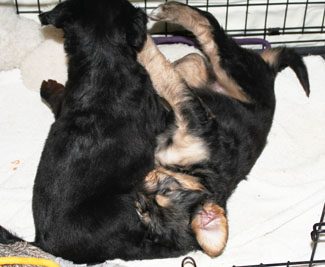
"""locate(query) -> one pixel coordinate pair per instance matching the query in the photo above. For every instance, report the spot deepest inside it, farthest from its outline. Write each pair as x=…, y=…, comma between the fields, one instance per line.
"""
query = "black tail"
x=8, y=238
x=282, y=57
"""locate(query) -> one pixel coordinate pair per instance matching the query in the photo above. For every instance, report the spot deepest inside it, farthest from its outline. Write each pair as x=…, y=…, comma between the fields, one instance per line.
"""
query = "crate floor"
x=270, y=215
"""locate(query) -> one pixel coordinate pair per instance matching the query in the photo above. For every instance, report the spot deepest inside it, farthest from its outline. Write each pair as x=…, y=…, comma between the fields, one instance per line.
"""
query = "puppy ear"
x=57, y=17
x=137, y=30
x=210, y=227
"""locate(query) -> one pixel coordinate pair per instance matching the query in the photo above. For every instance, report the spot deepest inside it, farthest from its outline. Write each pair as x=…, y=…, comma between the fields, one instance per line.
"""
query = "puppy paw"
x=165, y=12
x=141, y=206
x=50, y=88
x=210, y=226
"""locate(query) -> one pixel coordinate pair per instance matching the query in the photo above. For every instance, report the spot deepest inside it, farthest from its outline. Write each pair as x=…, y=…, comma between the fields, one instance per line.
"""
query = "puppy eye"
x=166, y=191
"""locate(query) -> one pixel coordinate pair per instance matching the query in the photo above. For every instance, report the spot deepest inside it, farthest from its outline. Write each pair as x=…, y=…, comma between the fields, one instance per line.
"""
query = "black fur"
x=169, y=226
x=102, y=144
x=52, y=93
x=8, y=238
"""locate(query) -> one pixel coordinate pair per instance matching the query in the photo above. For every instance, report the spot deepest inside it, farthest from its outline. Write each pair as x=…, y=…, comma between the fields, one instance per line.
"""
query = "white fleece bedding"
x=270, y=215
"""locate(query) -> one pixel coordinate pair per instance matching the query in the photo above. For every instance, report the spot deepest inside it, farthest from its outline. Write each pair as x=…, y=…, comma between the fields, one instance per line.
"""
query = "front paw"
x=141, y=207
x=166, y=12
x=50, y=89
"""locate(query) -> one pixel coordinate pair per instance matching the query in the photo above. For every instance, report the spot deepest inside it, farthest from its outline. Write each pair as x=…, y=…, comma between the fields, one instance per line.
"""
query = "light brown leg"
x=186, y=148
x=193, y=21
x=166, y=81
x=157, y=176
x=193, y=69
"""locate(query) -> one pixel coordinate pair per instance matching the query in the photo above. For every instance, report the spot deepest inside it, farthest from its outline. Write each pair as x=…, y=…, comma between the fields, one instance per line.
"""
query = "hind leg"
x=184, y=147
x=168, y=192
x=197, y=73
x=200, y=24
x=194, y=69
x=166, y=81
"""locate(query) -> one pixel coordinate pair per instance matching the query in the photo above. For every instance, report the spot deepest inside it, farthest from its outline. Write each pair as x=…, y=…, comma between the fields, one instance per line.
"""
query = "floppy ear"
x=57, y=17
x=137, y=30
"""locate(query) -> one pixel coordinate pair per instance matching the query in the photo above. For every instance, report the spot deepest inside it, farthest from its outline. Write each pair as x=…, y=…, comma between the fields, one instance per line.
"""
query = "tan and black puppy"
x=223, y=106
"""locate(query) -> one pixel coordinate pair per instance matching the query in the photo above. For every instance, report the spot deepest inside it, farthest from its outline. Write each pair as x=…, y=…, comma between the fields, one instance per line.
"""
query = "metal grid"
x=33, y=7
x=264, y=29
x=289, y=22
x=316, y=235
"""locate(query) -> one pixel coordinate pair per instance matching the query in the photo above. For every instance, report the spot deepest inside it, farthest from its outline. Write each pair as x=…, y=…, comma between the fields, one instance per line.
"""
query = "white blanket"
x=270, y=215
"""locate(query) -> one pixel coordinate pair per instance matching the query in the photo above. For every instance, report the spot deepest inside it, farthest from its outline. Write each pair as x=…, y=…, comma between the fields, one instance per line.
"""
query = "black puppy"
x=102, y=144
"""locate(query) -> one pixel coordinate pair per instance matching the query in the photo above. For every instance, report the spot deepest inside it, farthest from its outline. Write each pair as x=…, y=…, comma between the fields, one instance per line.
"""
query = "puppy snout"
x=44, y=18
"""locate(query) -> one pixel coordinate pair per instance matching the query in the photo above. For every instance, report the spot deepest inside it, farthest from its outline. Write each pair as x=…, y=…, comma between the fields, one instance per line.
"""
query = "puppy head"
x=58, y=16
x=114, y=21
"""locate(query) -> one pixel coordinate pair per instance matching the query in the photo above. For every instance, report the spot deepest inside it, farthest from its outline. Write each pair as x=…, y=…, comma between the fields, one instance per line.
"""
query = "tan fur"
x=213, y=243
x=166, y=80
x=270, y=56
x=159, y=174
x=144, y=216
x=185, y=149
x=151, y=180
x=186, y=181
x=193, y=69
x=200, y=26
x=163, y=201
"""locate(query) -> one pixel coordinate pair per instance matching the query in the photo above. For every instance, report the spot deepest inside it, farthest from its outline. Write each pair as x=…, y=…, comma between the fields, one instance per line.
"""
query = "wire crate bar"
x=282, y=22
x=317, y=232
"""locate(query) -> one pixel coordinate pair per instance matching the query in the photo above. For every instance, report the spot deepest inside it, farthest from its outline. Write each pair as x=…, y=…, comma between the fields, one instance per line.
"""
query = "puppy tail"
x=8, y=238
x=282, y=57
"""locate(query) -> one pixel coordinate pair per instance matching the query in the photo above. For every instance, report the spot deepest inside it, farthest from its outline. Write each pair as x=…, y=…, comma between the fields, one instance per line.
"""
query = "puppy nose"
x=43, y=17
